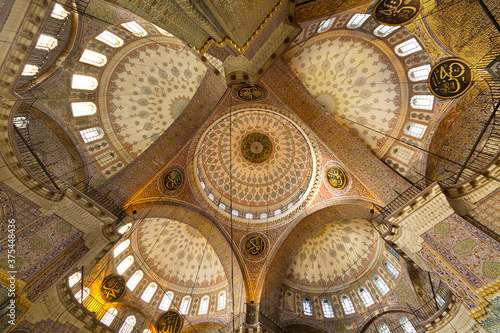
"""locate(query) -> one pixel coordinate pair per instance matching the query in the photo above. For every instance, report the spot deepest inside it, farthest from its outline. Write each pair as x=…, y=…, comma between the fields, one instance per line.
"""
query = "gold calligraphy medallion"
x=250, y=93
x=450, y=78
x=336, y=177
x=113, y=288
x=255, y=246
x=173, y=180
x=169, y=322
x=256, y=147
x=396, y=12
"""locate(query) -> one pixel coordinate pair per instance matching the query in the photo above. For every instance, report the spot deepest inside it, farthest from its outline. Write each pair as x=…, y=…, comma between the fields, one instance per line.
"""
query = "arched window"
x=221, y=300
x=125, y=228
x=394, y=253
x=204, y=305
x=46, y=42
x=289, y=300
x=125, y=264
x=166, y=301
x=29, y=70
x=109, y=316
x=184, y=308
x=423, y=102
x=79, y=296
x=365, y=297
x=20, y=122
x=383, y=328
x=222, y=206
x=407, y=48
x=134, y=280
x=83, y=109
x=327, y=308
x=59, y=13
x=326, y=25
x=74, y=279
x=249, y=216
x=401, y=153
x=235, y=212
x=263, y=216
x=128, y=325
x=407, y=326
x=110, y=39
x=384, y=30
x=381, y=285
x=357, y=20
x=440, y=300
x=419, y=73
x=121, y=247
x=93, y=58
x=92, y=134
x=162, y=31
x=347, y=304
x=415, y=129
x=391, y=269
x=149, y=292
x=83, y=82
x=135, y=28
x=306, y=304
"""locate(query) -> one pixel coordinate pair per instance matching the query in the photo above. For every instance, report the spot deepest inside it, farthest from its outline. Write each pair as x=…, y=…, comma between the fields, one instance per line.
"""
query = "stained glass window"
x=327, y=308
x=83, y=82
x=93, y=58
x=391, y=269
x=128, y=325
x=125, y=264
x=357, y=20
x=59, y=12
x=419, y=73
x=221, y=301
x=149, y=292
x=407, y=48
x=121, y=247
x=135, y=28
x=326, y=25
x=166, y=301
x=347, y=304
x=306, y=303
x=204, y=305
x=415, y=129
x=134, y=280
x=83, y=109
x=424, y=102
x=109, y=316
x=407, y=325
x=381, y=285
x=46, y=42
x=92, y=134
x=365, y=296
x=30, y=70
x=384, y=30
x=184, y=308
x=110, y=39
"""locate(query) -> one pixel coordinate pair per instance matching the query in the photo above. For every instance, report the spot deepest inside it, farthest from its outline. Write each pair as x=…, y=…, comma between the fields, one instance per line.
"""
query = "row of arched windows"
x=406, y=325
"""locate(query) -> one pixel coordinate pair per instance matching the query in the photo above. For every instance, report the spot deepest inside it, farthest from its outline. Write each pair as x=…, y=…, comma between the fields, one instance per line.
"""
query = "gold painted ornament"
x=396, y=12
x=113, y=288
x=450, y=78
x=173, y=180
x=169, y=322
x=255, y=246
x=336, y=178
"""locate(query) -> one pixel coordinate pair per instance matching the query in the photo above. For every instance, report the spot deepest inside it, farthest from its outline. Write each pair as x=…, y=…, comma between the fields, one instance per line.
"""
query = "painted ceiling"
x=334, y=255
x=178, y=256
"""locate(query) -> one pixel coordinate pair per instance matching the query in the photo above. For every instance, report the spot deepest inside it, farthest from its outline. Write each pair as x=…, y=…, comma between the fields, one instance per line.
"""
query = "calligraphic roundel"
x=169, y=322
x=396, y=12
x=173, y=180
x=113, y=288
x=450, y=78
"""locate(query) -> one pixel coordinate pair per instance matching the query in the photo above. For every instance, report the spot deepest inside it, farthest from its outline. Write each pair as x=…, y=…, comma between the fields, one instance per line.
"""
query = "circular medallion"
x=250, y=93
x=450, y=78
x=170, y=321
x=113, y=288
x=336, y=178
x=396, y=12
x=255, y=246
x=173, y=180
x=256, y=147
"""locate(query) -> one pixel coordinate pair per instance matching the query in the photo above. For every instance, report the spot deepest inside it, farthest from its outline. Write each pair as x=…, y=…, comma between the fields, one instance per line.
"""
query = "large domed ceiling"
x=334, y=255
x=177, y=256
x=146, y=87
x=255, y=165
x=357, y=79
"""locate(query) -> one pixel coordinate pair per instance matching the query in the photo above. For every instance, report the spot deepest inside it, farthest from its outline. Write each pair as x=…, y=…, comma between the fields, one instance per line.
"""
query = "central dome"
x=255, y=165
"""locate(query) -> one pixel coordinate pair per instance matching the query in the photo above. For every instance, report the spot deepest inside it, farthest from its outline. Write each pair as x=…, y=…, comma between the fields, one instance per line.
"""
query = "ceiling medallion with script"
x=336, y=178
x=113, y=288
x=450, y=78
x=396, y=12
x=249, y=93
x=256, y=147
x=169, y=322
x=173, y=180
x=255, y=245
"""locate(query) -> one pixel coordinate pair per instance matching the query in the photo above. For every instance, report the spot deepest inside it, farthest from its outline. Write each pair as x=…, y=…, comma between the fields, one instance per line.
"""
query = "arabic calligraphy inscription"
x=255, y=246
x=172, y=180
x=450, y=78
x=336, y=177
x=396, y=12
x=169, y=322
x=113, y=288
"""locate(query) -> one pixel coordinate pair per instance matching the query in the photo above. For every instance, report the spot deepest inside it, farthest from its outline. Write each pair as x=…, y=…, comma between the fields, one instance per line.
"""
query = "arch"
x=371, y=318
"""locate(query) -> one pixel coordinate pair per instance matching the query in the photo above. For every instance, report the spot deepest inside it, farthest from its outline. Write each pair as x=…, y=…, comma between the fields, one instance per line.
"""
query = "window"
x=162, y=31
x=289, y=300
x=204, y=305
x=128, y=325
x=407, y=48
x=149, y=292
x=93, y=58
x=391, y=269
x=166, y=301
x=109, y=316
x=407, y=326
x=125, y=228
x=440, y=300
x=20, y=122
x=121, y=247
x=135, y=29
x=415, y=129
x=79, y=297
x=381, y=285
x=29, y=70
x=134, y=280
x=83, y=109
x=110, y=39
x=357, y=20
x=46, y=43
x=347, y=304
x=401, y=153
x=424, y=102
x=146, y=331
x=394, y=253
x=105, y=158
x=184, y=308
x=92, y=134
x=222, y=206
x=249, y=216
x=384, y=30
x=365, y=297
x=83, y=82
x=419, y=73
x=326, y=25
x=125, y=264
x=74, y=279
x=221, y=300
x=383, y=328
x=327, y=308
x=306, y=303
x=59, y=12
x=277, y=212
x=211, y=197
x=235, y=212
x=263, y=216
